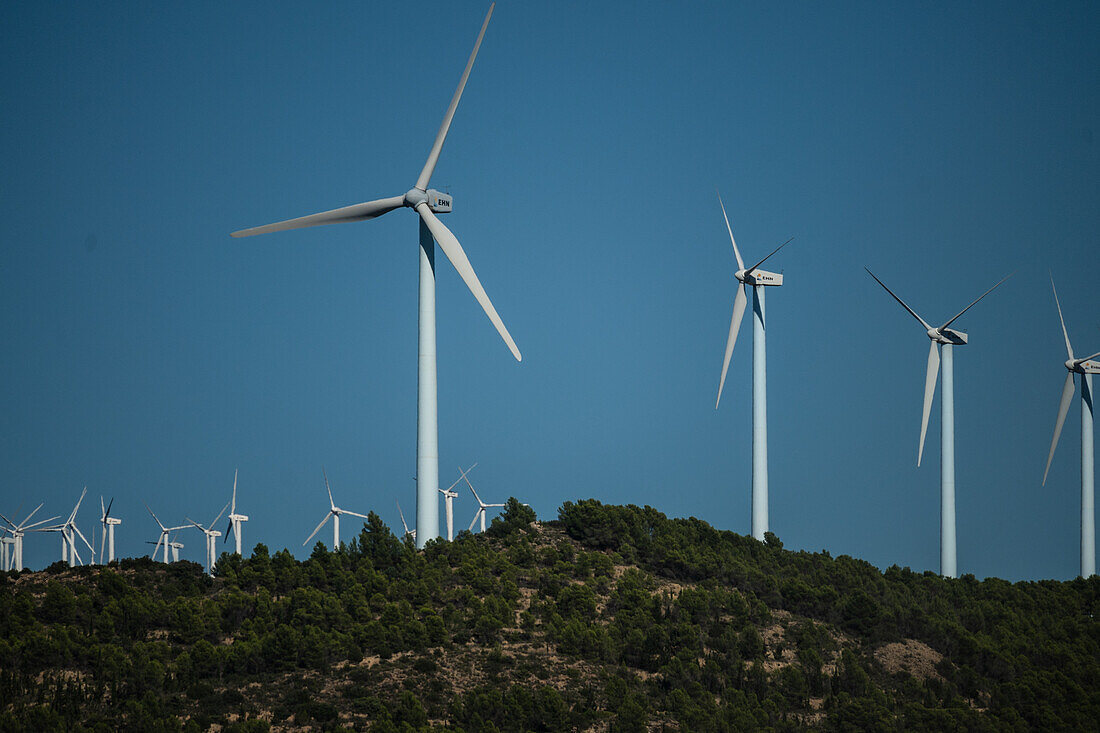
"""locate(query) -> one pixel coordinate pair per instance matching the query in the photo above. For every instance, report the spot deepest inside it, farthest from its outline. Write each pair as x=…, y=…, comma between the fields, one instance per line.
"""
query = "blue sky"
x=148, y=354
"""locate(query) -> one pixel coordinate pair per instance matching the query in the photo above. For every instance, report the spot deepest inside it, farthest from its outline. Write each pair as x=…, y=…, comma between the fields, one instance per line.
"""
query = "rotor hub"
x=414, y=197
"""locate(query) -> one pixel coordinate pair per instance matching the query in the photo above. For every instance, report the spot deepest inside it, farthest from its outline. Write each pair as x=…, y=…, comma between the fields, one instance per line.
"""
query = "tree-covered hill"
x=608, y=619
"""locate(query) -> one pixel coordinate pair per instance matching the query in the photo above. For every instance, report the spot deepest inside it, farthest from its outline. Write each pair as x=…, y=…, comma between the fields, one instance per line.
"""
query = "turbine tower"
x=108, y=522
x=943, y=339
x=758, y=279
x=1086, y=368
x=235, y=520
x=334, y=513
x=449, y=496
x=212, y=536
x=427, y=203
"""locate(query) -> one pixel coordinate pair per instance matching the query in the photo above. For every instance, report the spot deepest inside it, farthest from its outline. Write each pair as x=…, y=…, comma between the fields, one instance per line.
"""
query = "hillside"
x=608, y=619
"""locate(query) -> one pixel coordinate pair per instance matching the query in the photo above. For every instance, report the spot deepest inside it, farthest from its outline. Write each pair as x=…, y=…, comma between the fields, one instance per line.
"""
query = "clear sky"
x=148, y=355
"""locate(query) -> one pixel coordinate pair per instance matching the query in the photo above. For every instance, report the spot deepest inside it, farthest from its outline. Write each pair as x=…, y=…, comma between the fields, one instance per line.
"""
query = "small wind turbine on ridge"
x=334, y=513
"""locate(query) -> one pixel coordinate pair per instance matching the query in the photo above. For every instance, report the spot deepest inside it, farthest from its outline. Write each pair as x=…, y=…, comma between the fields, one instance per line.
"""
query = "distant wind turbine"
x=235, y=520
x=427, y=203
x=334, y=513
x=164, y=532
x=69, y=532
x=14, y=544
x=449, y=495
x=1086, y=368
x=758, y=279
x=943, y=339
x=108, y=524
x=212, y=536
x=408, y=532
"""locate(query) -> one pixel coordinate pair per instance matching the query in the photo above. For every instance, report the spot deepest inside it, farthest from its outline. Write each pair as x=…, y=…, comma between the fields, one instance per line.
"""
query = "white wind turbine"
x=449, y=495
x=1086, y=368
x=172, y=545
x=235, y=520
x=943, y=339
x=212, y=536
x=482, y=506
x=758, y=279
x=427, y=203
x=163, y=539
x=108, y=523
x=334, y=513
x=408, y=532
x=69, y=532
x=14, y=545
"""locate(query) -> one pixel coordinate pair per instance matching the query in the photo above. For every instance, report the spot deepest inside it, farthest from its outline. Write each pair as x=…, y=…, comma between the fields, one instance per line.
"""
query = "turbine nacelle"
x=437, y=201
x=947, y=336
x=239, y=517
x=759, y=277
x=1083, y=366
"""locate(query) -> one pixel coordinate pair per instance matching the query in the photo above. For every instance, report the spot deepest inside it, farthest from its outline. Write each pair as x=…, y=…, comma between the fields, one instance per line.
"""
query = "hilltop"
x=610, y=618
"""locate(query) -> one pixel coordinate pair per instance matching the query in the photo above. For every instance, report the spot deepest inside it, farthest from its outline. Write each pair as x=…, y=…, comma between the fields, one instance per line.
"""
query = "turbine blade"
x=110, y=504
x=81, y=534
x=355, y=212
x=30, y=515
x=476, y=515
x=218, y=518
x=903, y=304
x=445, y=126
x=196, y=524
x=770, y=254
x=231, y=527
x=102, y=509
x=1091, y=356
x=471, y=468
x=322, y=524
x=402, y=517
x=102, y=539
x=739, y=304
x=736, y=253
x=331, y=503
x=479, y=501
x=154, y=516
x=355, y=514
x=40, y=522
x=929, y=390
x=1069, y=347
x=234, y=509
x=987, y=292
x=78, y=501
x=1063, y=408
x=450, y=246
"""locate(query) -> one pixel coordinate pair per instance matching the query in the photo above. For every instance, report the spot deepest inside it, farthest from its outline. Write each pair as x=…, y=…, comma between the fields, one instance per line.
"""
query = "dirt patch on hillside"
x=912, y=656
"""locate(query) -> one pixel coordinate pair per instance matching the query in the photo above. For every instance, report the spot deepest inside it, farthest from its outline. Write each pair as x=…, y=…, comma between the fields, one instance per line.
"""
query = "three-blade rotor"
x=745, y=277
x=420, y=199
x=941, y=335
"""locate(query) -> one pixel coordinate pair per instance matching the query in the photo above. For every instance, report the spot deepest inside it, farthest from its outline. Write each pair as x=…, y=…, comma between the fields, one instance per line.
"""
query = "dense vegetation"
x=611, y=618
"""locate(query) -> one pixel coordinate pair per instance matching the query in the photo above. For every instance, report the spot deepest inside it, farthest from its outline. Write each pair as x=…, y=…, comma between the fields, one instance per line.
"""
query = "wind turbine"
x=758, y=279
x=449, y=495
x=1086, y=368
x=427, y=203
x=943, y=339
x=482, y=506
x=235, y=520
x=212, y=536
x=407, y=530
x=14, y=544
x=108, y=522
x=334, y=513
x=174, y=546
x=69, y=532
x=163, y=539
